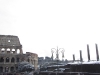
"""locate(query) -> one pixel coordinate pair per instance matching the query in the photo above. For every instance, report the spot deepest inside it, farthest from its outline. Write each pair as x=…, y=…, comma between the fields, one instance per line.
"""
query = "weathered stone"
x=11, y=54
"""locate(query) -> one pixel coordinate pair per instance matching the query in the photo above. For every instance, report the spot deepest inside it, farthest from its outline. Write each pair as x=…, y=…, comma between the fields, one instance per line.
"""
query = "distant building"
x=40, y=60
x=48, y=59
x=11, y=54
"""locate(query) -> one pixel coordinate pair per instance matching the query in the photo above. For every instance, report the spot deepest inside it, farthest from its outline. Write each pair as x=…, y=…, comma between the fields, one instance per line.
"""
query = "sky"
x=45, y=24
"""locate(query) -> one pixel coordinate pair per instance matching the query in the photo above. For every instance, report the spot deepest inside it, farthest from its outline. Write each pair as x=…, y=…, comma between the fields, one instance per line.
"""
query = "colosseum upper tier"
x=11, y=54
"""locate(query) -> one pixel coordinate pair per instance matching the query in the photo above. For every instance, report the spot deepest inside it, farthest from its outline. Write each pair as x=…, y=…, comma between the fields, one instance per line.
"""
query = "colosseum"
x=11, y=54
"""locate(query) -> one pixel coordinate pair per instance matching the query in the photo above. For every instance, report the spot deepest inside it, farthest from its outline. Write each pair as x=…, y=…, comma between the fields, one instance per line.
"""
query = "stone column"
x=14, y=68
x=97, y=52
x=4, y=59
x=0, y=50
x=73, y=57
x=34, y=63
x=15, y=60
x=10, y=50
x=9, y=69
x=88, y=53
x=9, y=59
x=81, y=59
x=15, y=51
x=5, y=50
x=21, y=51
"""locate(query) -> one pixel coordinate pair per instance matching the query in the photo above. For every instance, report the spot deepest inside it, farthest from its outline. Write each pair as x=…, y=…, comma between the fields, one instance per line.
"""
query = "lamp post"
x=57, y=51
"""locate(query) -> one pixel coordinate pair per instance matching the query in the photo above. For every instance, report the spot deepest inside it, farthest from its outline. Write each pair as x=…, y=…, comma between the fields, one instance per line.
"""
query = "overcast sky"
x=45, y=24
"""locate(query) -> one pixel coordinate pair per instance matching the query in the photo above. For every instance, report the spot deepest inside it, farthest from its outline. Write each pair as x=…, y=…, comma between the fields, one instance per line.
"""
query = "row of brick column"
x=7, y=67
x=21, y=52
x=15, y=60
x=31, y=61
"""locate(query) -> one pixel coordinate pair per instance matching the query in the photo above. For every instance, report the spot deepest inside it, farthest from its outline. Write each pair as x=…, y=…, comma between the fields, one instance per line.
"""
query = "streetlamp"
x=57, y=51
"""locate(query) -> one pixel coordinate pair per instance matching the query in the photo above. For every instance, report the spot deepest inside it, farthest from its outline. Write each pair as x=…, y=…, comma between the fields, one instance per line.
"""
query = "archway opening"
x=8, y=50
x=1, y=69
x=7, y=59
x=6, y=69
x=12, y=60
x=1, y=59
x=18, y=51
x=12, y=69
x=3, y=50
x=13, y=50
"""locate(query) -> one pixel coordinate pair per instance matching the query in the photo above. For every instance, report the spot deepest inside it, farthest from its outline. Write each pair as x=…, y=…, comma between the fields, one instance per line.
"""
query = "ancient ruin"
x=11, y=54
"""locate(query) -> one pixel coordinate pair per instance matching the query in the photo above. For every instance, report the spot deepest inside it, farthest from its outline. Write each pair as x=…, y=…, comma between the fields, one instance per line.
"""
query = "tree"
x=25, y=67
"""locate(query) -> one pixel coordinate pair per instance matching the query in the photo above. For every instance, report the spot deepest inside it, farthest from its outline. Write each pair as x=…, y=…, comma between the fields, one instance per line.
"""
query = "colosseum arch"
x=11, y=69
x=6, y=69
x=1, y=59
x=12, y=60
x=13, y=51
x=18, y=51
x=3, y=50
x=7, y=59
x=8, y=50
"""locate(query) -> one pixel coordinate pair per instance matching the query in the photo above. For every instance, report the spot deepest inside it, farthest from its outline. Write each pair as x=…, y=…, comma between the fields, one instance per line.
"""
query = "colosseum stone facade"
x=11, y=54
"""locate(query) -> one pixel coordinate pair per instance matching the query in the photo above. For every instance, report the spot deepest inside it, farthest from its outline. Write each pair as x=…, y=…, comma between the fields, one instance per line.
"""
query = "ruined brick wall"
x=33, y=59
